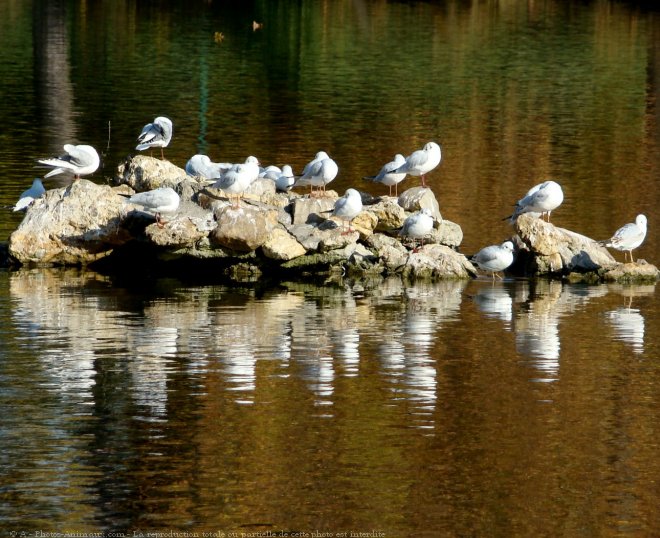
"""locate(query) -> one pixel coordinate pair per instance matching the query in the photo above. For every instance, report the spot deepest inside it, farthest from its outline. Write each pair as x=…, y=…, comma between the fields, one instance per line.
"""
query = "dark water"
x=513, y=408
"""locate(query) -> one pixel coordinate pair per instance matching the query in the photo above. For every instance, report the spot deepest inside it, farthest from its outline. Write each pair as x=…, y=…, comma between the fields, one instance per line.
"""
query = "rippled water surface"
x=138, y=402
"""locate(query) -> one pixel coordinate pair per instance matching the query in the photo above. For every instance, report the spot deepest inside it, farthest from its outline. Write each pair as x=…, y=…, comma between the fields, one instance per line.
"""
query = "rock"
x=390, y=251
x=243, y=229
x=389, y=214
x=281, y=245
x=63, y=227
x=557, y=250
x=176, y=232
x=144, y=173
x=447, y=233
x=312, y=210
x=640, y=271
x=433, y=262
x=418, y=198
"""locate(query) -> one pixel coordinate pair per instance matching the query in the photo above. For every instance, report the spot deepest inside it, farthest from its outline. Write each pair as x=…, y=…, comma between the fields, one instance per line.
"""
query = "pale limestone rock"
x=389, y=214
x=74, y=225
x=437, y=262
x=638, y=271
x=559, y=250
x=390, y=250
x=312, y=210
x=244, y=228
x=419, y=198
x=447, y=233
x=177, y=232
x=144, y=173
x=281, y=245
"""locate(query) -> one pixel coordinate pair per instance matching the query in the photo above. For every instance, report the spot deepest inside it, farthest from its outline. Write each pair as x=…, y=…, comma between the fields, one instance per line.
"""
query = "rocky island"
x=271, y=234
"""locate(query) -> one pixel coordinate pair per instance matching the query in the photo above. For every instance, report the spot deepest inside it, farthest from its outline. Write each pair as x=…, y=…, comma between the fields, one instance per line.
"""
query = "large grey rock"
x=74, y=225
x=312, y=210
x=558, y=250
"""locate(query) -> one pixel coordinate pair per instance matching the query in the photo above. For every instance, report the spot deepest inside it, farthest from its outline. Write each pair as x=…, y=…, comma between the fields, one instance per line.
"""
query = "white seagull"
x=201, y=166
x=494, y=258
x=30, y=195
x=348, y=207
x=285, y=180
x=541, y=200
x=81, y=160
x=270, y=172
x=388, y=175
x=628, y=237
x=155, y=135
x=418, y=226
x=422, y=161
x=157, y=201
x=238, y=178
x=318, y=172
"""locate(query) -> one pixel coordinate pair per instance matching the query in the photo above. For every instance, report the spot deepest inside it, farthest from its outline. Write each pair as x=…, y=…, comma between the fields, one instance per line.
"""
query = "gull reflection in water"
x=628, y=322
x=427, y=306
x=495, y=301
x=539, y=306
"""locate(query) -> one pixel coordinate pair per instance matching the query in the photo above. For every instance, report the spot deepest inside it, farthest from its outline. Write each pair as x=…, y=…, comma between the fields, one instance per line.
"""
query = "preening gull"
x=81, y=160
x=155, y=135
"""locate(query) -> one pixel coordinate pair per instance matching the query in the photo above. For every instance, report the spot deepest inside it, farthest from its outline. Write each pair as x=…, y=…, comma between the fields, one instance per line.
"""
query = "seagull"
x=541, y=199
x=157, y=201
x=201, y=166
x=418, y=225
x=318, y=172
x=82, y=160
x=494, y=258
x=238, y=178
x=421, y=162
x=270, y=172
x=628, y=237
x=285, y=180
x=388, y=175
x=30, y=195
x=155, y=135
x=348, y=207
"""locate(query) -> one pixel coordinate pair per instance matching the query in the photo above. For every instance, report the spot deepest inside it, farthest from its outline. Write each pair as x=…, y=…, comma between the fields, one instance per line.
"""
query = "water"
x=136, y=403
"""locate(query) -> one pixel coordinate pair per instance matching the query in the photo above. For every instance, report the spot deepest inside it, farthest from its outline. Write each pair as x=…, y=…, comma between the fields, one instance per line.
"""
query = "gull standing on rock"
x=30, y=195
x=348, y=207
x=494, y=258
x=418, y=226
x=155, y=135
x=81, y=160
x=628, y=237
x=388, y=175
x=318, y=173
x=541, y=200
x=238, y=178
x=157, y=201
x=422, y=161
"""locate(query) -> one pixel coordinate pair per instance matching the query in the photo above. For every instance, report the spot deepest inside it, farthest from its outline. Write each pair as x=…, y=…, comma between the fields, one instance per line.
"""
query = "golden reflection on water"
x=388, y=406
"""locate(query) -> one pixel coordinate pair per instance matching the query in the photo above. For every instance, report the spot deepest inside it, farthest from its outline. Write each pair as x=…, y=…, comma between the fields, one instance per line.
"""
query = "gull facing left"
x=81, y=160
